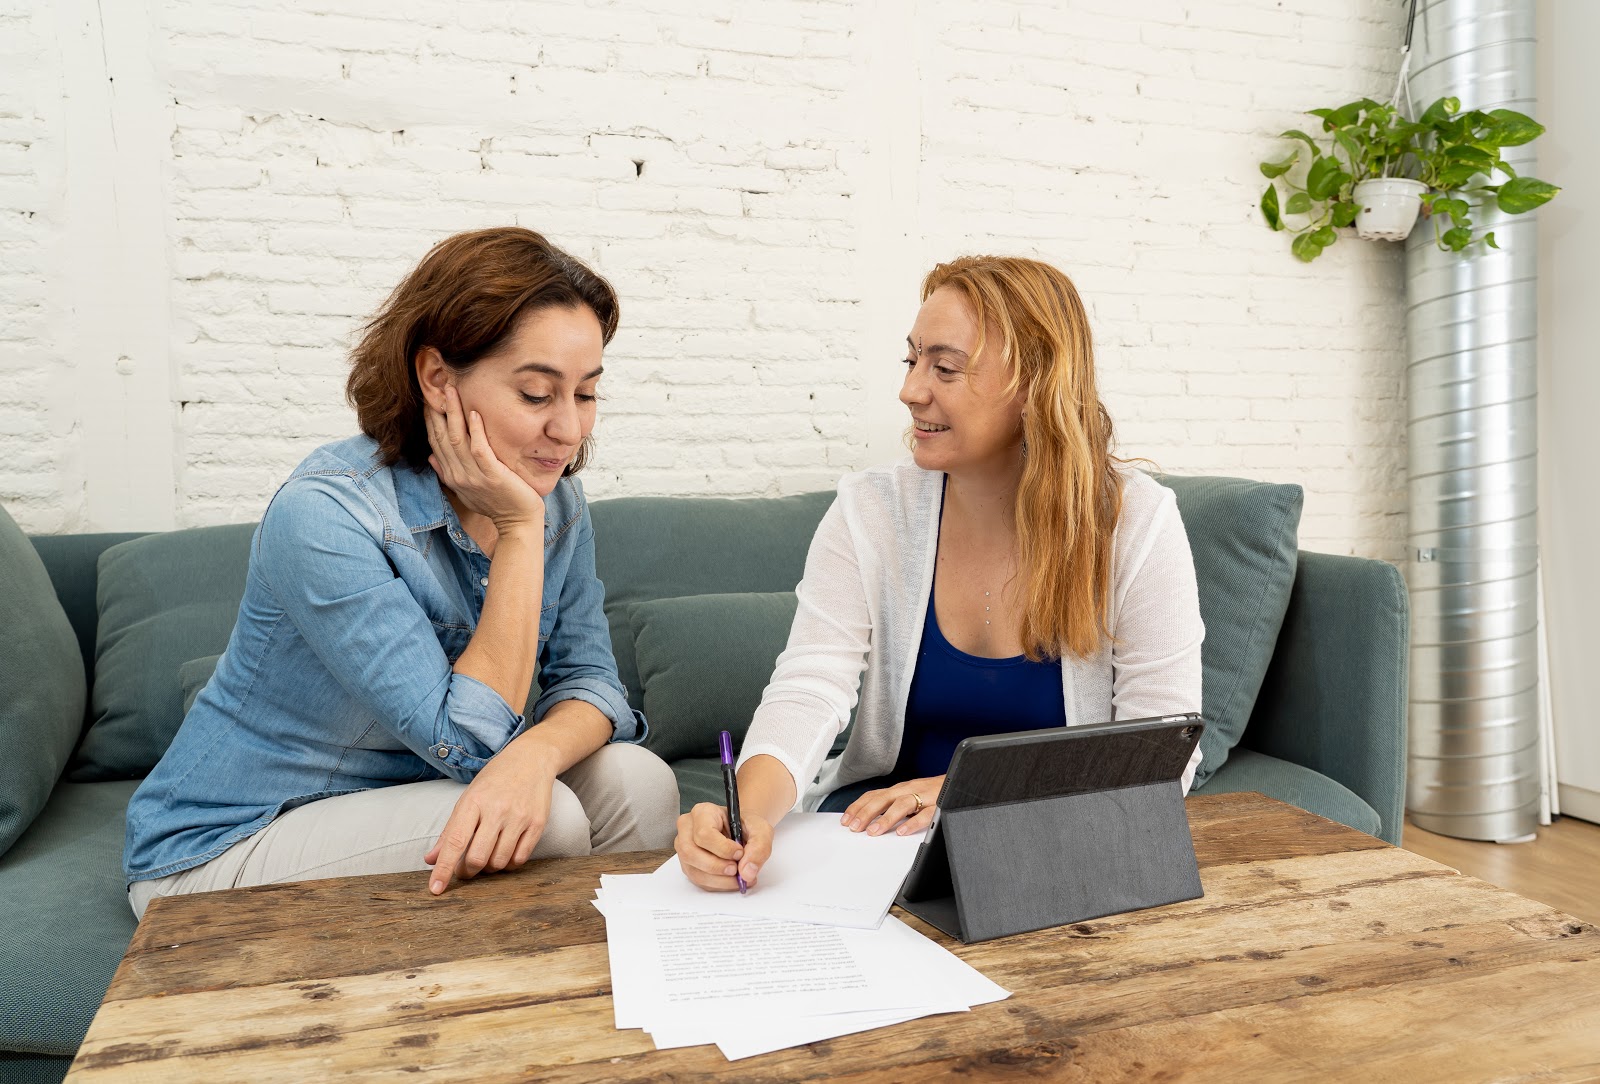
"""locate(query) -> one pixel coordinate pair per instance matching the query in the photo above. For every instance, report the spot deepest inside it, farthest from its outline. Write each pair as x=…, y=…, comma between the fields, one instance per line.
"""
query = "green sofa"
x=1305, y=670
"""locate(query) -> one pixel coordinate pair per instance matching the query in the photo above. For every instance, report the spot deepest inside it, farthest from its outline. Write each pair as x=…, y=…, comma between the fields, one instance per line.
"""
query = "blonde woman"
x=1014, y=575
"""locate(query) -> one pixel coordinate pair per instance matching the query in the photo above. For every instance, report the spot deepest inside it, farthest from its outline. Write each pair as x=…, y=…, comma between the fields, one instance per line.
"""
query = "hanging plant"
x=1376, y=170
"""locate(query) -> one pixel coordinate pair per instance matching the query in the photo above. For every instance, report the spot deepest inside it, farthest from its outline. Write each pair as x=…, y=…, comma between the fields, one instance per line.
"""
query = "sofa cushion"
x=164, y=599
x=42, y=684
x=1244, y=537
x=699, y=780
x=703, y=663
x=67, y=919
x=1248, y=770
x=71, y=560
x=32, y=1068
x=665, y=547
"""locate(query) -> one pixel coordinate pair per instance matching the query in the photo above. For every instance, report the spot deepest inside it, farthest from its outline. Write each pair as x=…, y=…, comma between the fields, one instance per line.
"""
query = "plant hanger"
x=1402, y=82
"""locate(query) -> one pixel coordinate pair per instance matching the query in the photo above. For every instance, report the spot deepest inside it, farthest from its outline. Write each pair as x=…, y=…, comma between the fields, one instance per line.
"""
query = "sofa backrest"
x=71, y=560
x=649, y=548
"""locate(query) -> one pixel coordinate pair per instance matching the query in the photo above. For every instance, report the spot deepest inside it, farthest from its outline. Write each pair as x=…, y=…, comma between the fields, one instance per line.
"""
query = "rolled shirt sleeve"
x=322, y=556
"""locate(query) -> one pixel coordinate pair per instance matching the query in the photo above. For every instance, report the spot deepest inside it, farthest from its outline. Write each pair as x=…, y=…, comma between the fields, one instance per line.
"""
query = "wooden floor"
x=1561, y=867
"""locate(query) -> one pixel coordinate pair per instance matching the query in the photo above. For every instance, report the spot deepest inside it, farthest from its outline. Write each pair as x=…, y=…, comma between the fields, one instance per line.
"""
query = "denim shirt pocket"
x=452, y=638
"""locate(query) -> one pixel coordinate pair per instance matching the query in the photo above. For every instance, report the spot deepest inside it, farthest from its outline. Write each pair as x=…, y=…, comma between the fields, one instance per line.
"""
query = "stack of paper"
x=809, y=954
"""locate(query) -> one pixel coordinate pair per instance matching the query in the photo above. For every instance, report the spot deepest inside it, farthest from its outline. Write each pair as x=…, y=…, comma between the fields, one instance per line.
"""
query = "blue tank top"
x=955, y=695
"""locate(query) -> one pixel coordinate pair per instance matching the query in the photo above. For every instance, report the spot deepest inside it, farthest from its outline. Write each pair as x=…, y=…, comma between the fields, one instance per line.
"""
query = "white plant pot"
x=1387, y=208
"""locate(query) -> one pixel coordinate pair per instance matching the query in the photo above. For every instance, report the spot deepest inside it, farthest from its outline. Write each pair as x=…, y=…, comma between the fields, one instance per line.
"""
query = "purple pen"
x=735, y=826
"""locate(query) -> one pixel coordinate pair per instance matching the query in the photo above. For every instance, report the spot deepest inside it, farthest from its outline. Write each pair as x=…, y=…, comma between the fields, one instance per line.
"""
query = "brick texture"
x=36, y=446
x=710, y=158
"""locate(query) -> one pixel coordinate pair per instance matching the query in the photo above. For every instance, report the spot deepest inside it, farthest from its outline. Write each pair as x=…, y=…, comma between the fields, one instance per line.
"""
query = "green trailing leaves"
x=1455, y=154
x=1522, y=194
x=1457, y=209
x=1348, y=144
x=1270, y=170
x=1439, y=112
x=1295, y=133
x=1472, y=156
x=1324, y=177
x=1513, y=129
x=1269, y=207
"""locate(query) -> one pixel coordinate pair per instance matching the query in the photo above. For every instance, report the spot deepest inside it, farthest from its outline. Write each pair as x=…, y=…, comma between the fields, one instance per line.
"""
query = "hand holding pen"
x=720, y=847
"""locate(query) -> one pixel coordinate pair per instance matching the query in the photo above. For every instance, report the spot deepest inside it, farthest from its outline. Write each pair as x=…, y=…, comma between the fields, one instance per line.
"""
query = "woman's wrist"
x=534, y=755
x=570, y=731
x=519, y=529
x=766, y=788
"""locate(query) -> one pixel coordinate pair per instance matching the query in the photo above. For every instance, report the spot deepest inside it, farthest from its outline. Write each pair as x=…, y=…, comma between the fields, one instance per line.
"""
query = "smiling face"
x=963, y=417
x=536, y=392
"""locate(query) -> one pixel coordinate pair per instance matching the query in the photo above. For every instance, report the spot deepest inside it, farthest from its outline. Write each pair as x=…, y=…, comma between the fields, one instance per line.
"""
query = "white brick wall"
x=764, y=182
x=35, y=446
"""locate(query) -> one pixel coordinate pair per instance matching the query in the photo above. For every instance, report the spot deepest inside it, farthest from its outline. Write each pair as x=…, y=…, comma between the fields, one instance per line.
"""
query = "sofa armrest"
x=1334, y=698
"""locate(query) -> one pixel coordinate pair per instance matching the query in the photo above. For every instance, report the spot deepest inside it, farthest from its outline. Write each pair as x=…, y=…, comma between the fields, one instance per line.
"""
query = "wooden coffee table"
x=1317, y=952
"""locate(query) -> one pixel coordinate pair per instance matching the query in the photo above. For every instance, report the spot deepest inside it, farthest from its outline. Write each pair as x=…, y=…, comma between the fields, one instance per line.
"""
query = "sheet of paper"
x=820, y=872
x=681, y=976
x=672, y=967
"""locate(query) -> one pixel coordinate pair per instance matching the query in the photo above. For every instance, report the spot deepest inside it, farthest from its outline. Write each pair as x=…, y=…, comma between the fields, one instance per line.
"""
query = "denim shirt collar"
x=421, y=500
x=423, y=506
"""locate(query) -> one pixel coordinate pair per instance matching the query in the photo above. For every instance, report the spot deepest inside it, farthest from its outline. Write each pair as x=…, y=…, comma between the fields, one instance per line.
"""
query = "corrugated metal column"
x=1472, y=380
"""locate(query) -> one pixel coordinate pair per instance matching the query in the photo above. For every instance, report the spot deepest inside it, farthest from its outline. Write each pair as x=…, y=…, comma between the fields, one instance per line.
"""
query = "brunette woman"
x=404, y=587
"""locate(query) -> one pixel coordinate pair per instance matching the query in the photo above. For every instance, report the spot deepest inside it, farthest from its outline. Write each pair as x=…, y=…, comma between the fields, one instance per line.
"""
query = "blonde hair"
x=1070, y=494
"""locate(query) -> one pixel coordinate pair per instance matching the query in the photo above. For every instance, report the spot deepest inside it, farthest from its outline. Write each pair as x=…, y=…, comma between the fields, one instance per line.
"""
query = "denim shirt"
x=362, y=592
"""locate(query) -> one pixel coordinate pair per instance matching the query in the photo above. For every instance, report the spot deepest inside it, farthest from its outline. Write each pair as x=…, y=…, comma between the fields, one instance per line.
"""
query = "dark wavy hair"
x=464, y=300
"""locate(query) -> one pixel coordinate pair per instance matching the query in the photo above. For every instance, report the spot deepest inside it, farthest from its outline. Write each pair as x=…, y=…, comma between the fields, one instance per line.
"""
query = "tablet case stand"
x=996, y=870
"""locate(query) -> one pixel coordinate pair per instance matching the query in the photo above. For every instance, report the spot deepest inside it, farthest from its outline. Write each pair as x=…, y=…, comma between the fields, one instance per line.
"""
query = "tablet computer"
x=1044, y=826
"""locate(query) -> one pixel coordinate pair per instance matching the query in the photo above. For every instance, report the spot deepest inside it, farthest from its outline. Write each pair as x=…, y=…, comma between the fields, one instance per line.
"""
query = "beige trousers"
x=620, y=798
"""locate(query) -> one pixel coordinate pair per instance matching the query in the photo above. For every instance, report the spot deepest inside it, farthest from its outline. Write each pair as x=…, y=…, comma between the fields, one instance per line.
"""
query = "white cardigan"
x=862, y=603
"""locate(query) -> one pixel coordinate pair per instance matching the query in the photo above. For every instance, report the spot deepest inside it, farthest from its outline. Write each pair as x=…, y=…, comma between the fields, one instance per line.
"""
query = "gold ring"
x=918, y=797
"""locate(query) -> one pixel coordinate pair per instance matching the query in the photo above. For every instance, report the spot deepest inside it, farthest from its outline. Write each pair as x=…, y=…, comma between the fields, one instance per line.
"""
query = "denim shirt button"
x=443, y=752
x=484, y=582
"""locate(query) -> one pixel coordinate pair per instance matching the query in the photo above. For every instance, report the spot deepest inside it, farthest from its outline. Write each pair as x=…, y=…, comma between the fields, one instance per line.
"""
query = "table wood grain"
x=1317, y=952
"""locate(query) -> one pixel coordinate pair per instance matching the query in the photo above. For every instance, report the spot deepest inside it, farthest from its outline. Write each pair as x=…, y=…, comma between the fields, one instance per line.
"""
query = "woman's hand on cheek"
x=468, y=467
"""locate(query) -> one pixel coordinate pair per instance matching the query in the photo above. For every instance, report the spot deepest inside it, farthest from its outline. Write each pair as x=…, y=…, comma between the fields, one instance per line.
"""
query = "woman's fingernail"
x=875, y=829
x=902, y=830
x=437, y=887
x=730, y=870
